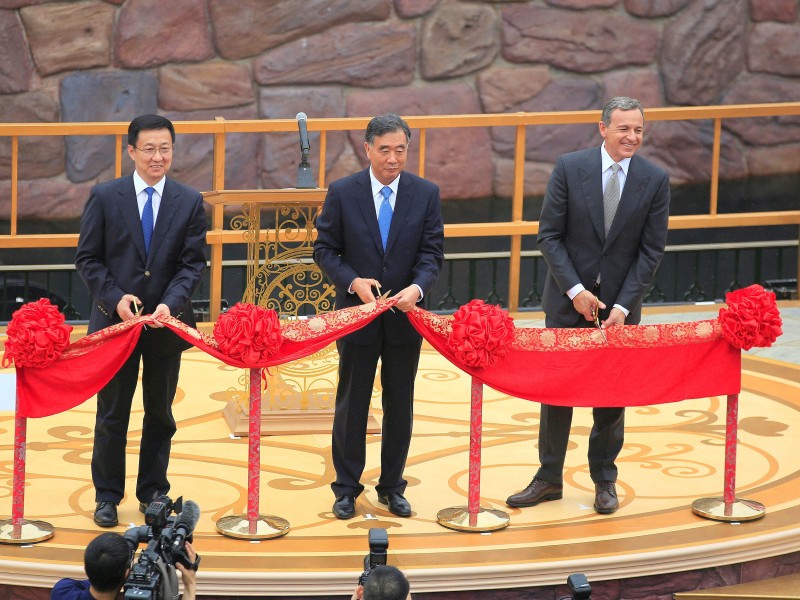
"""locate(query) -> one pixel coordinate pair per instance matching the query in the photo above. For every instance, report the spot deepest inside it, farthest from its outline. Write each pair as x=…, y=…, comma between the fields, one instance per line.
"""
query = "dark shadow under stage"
x=652, y=547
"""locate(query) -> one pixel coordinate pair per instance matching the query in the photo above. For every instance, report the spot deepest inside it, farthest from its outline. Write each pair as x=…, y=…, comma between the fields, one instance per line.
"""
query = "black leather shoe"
x=398, y=505
x=537, y=491
x=345, y=507
x=105, y=514
x=143, y=507
x=605, y=497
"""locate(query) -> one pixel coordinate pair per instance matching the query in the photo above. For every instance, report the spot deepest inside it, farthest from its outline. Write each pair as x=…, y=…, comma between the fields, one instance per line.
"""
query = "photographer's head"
x=384, y=583
x=106, y=561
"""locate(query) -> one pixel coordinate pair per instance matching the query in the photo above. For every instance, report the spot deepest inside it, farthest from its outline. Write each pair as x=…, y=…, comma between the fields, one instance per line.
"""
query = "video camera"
x=378, y=543
x=154, y=577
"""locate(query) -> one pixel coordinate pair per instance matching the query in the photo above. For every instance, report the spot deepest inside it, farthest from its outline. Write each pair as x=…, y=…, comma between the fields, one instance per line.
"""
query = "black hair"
x=106, y=561
x=147, y=122
x=385, y=582
x=386, y=123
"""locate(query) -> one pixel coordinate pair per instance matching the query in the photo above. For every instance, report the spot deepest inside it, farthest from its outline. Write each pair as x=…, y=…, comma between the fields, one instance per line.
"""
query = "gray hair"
x=621, y=103
x=386, y=123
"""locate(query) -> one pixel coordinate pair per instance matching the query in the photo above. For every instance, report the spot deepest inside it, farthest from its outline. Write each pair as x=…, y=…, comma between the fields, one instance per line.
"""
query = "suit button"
x=147, y=273
x=385, y=268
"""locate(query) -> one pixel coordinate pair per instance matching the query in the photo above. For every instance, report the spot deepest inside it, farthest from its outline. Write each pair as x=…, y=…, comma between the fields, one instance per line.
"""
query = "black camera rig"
x=153, y=576
x=378, y=543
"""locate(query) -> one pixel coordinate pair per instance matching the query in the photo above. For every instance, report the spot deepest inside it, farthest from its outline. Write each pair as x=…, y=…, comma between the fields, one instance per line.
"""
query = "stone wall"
x=93, y=60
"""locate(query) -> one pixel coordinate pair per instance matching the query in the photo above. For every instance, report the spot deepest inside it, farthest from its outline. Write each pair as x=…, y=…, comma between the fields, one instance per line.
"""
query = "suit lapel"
x=166, y=211
x=592, y=185
x=366, y=204
x=402, y=206
x=129, y=210
x=635, y=181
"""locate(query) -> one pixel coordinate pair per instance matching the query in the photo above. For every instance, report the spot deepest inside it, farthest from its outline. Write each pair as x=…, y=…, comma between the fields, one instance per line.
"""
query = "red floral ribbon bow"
x=752, y=318
x=37, y=335
x=482, y=334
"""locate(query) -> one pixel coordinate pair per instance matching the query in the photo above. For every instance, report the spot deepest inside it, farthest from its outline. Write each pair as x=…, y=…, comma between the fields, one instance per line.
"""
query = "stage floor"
x=673, y=455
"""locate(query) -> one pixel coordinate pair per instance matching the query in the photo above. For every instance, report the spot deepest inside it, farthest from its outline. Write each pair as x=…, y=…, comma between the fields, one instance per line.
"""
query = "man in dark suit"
x=379, y=229
x=141, y=251
x=602, y=232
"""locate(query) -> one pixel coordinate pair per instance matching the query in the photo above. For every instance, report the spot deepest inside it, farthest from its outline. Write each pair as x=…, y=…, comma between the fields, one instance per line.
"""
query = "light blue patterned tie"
x=385, y=215
x=147, y=218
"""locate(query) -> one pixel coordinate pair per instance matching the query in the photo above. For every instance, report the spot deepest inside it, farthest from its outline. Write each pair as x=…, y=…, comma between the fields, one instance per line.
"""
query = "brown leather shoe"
x=539, y=490
x=605, y=497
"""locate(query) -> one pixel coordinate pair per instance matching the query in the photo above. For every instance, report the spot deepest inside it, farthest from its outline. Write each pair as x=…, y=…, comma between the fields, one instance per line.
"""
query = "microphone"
x=301, y=124
x=305, y=178
x=185, y=524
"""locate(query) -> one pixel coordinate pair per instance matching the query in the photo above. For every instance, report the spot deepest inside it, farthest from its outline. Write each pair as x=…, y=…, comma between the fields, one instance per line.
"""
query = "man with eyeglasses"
x=141, y=251
x=107, y=563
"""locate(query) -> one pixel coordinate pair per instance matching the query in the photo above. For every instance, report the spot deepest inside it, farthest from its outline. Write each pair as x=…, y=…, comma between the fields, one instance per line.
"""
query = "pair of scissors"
x=596, y=315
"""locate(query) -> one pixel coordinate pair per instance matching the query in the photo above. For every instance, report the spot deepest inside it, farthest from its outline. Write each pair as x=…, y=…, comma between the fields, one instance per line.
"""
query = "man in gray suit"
x=141, y=250
x=602, y=232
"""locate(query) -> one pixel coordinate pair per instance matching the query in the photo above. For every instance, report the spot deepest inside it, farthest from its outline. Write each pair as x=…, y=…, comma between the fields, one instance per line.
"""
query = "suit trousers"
x=159, y=384
x=357, y=367
x=605, y=439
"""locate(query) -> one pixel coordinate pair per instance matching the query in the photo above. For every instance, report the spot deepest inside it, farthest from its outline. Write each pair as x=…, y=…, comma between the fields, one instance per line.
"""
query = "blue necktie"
x=147, y=218
x=385, y=215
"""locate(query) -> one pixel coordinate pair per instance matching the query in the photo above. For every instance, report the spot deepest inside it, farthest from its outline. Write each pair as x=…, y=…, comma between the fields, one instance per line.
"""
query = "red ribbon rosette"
x=752, y=318
x=249, y=333
x=37, y=335
x=482, y=334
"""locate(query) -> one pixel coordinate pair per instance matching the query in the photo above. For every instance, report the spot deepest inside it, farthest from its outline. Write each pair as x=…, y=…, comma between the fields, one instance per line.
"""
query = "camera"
x=579, y=587
x=378, y=543
x=153, y=576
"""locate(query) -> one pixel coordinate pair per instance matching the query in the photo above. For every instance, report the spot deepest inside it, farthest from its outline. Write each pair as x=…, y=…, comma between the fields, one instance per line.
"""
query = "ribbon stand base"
x=17, y=529
x=719, y=510
x=729, y=507
x=25, y=532
x=253, y=526
x=473, y=517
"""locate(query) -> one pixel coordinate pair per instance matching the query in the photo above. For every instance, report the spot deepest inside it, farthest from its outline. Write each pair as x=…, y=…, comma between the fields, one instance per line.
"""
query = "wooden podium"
x=281, y=275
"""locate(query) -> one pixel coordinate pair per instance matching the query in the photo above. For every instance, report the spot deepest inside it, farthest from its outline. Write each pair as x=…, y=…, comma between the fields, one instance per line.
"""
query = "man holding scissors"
x=602, y=232
x=140, y=251
x=380, y=226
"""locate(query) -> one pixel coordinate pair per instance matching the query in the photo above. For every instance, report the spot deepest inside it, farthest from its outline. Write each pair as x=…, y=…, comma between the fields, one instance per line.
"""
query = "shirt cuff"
x=623, y=309
x=421, y=295
x=575, y=290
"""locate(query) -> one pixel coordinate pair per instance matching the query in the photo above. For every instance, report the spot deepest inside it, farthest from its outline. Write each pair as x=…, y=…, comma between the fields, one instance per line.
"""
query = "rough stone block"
x=652, y=10
x=703, y=51
x=244, y=28
x=774, y=48
x=502, y=89
x=784, y=11
x=763, y=131
x=204, y=86
x=357, y=55
x=16, y=66
x=582, y=42
x=458, y=39
x=152, y=32
x=69, y=36
x=102, y=96
x=39, y=156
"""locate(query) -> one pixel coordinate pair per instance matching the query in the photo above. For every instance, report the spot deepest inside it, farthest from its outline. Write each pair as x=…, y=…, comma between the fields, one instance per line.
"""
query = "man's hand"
x=124, y=307
x=188, y=576
x=162, y=310
x=615, y=317
x=363, y=288
x=407, y=298
x=587, y=303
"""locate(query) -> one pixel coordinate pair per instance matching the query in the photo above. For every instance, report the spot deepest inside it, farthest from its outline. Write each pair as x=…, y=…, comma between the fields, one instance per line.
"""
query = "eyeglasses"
x=151, y=150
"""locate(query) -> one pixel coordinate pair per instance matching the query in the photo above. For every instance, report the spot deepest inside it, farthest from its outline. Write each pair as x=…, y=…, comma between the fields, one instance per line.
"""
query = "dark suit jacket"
x=573, y=242
x=348, y=245
x=112, y=261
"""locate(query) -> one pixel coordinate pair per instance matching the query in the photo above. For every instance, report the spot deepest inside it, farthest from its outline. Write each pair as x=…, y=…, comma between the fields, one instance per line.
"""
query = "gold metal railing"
x=514, y=230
